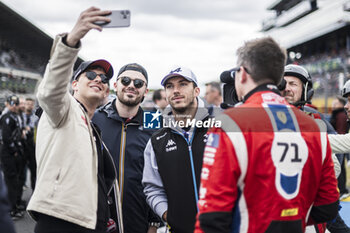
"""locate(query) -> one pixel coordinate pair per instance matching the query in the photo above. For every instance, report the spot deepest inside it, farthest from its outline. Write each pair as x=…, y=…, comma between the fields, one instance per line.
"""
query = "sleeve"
x=337, y=167
x=53, y=92
x=325, y=207
x=8, y=126
x=152, y=183
x=219, y=190
x=153, y=217
x=340, y=143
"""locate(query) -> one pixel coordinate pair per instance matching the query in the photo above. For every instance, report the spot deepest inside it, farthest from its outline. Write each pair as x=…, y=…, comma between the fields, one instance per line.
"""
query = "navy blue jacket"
x=126, y=140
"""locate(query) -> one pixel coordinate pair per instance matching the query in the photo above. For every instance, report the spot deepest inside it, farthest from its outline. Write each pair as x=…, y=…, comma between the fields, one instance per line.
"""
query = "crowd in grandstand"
x=12, y=57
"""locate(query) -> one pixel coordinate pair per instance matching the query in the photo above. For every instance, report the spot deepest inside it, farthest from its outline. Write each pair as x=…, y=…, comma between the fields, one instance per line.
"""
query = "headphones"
x=346, y=89
x=302, y=74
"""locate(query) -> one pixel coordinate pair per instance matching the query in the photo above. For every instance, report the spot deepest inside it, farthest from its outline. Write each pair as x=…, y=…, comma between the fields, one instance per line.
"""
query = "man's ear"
x=244, y=75
x=115, y=85
x=196, y=91
x=75, y=85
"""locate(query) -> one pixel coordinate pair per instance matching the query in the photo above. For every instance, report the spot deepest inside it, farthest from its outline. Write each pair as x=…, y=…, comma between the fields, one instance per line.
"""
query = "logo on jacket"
x=170, y=146
x=213, y=140
x=151, y=119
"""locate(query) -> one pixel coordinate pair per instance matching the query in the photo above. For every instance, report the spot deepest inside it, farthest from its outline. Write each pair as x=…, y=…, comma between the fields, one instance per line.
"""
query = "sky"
x=202, y=35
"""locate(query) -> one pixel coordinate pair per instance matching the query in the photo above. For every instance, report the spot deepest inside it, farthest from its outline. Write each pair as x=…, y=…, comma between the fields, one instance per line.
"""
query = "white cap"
x=182, y=72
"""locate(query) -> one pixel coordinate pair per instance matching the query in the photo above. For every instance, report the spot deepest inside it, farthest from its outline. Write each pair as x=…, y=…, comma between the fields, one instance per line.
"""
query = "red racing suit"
x=268, y=168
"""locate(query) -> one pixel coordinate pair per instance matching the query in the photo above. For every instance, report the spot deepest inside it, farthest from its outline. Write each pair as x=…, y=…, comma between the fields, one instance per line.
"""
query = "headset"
x=302, y=74
x=346, y=89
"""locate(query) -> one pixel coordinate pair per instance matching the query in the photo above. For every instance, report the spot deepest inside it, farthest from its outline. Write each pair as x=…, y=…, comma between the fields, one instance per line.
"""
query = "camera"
x=229, y=89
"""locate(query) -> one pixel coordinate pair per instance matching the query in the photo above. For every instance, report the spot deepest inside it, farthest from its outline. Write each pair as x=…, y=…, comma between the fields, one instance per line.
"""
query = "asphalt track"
x=26, y=224
x=345, y=210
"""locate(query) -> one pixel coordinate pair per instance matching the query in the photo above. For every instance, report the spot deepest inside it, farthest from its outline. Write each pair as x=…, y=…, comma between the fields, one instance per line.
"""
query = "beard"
x=182, y=109
x=129, y=102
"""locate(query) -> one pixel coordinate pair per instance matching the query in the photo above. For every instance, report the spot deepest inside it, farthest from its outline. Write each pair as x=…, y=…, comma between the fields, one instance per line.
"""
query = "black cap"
x=105, y=65
x=12, y=100
x=135, y=67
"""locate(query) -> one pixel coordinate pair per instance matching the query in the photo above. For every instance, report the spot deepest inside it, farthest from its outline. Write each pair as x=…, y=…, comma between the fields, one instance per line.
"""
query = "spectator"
x=121, y=124
x=6, y=224
x=338, y=118
x=12, y=153
x=159, y=99
x=30, y=122
x=257, y=159
x=174, y=154
x=75, y=173
x=22, y=167
x=213, y=94
x=213, y=97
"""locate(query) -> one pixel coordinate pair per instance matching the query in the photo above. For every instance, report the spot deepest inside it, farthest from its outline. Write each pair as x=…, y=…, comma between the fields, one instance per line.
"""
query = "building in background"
x=24, y=53
x=316, y=34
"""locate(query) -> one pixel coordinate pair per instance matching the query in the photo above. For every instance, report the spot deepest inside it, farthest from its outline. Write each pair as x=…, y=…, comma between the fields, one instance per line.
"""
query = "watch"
x=154, y=224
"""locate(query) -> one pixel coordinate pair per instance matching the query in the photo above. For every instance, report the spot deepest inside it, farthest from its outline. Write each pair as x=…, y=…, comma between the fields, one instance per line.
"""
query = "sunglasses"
x=138, y=83
x=91, y=75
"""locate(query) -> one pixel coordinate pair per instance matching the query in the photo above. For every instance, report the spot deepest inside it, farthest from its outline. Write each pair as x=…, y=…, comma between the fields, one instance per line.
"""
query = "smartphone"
x=119, y=18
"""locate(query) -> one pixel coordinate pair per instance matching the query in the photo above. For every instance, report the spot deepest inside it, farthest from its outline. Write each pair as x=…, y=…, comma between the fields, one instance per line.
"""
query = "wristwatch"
x=154, y=224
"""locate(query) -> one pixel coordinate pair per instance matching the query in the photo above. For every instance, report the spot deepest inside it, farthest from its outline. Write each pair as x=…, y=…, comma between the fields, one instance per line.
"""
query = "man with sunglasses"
x=121, y=123
x=75, y=173
x=12, y=152
x=268, y=168
x=174, y=154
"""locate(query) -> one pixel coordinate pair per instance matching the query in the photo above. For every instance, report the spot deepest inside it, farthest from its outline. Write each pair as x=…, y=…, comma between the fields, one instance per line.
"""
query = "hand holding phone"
x=119, y=18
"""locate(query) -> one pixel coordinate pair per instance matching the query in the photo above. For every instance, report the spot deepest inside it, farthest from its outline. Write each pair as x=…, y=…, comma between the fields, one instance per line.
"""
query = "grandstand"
x=316, y=34
x=24, y=53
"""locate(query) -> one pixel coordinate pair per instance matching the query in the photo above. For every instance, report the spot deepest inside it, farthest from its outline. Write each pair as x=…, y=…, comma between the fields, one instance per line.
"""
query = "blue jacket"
x=126, y=140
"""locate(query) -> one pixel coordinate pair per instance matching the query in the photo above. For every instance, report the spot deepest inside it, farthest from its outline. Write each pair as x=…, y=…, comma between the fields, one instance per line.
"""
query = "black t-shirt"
x=102, y=205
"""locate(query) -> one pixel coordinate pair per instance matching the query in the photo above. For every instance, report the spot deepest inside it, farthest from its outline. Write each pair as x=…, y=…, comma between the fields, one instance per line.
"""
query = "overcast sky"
x=200, y=34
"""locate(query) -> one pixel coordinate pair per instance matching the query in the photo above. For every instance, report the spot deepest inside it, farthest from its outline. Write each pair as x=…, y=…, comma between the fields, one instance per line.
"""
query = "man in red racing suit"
x=268, y=168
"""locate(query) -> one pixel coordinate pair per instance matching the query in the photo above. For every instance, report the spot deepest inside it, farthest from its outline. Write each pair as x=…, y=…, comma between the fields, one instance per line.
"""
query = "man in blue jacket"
x=121, y=123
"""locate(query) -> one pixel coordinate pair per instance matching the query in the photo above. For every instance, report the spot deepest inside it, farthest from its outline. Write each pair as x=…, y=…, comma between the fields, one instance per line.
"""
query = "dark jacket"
x=126, y=140
x=339, y=121
x=6, y=224
x=11, y=134
x=173, y=163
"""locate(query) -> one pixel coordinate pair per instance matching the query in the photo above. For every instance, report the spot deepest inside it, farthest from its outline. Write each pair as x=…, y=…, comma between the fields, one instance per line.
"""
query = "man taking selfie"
x=75, y=173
